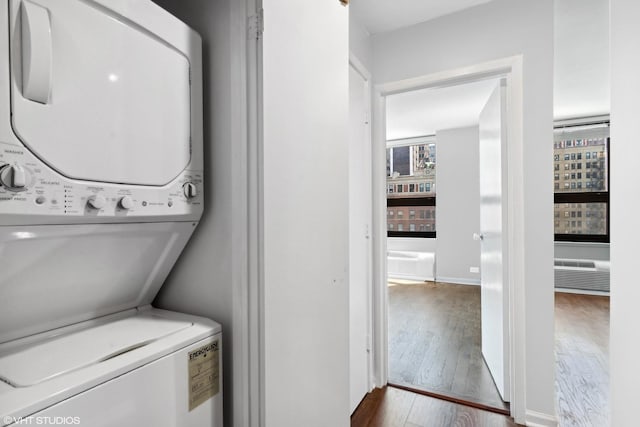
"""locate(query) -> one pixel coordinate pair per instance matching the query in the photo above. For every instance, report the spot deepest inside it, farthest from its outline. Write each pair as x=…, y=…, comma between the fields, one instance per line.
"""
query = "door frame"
x=362, y=70
x=511, y=69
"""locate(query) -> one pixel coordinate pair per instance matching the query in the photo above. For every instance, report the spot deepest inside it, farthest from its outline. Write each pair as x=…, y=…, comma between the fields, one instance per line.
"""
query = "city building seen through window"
x=580, y=180
x=411, y=190
x=581, y=183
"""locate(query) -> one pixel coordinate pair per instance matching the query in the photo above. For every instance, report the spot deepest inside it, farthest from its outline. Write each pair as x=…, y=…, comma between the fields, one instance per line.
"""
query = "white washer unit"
x=100, y=190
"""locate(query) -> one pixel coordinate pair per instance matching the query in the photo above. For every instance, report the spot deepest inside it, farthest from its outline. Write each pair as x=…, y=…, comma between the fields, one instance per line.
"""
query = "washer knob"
x=190, y=190
x=97, y=201
x=13, y=177
x=126, y=202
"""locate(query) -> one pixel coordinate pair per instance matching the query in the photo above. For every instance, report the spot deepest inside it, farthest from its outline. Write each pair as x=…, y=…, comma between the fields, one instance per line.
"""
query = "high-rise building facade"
x=580, y=177
x=411, y=178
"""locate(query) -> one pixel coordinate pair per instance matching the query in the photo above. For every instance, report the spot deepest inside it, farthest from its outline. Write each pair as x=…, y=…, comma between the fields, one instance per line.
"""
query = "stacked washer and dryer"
x=101, y=188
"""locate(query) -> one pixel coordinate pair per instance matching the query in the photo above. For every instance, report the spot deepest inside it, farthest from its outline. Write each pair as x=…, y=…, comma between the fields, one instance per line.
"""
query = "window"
x=412, y=171
x=578, y=195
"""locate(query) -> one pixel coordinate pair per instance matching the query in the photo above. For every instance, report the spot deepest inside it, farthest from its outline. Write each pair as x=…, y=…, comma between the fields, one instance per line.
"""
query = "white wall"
x=495, y=30
x=580, y=250
x=202, y=282
x=305, y=214
x=581, y=65
x=360, y=42
x=625, y=233
x=458, y=205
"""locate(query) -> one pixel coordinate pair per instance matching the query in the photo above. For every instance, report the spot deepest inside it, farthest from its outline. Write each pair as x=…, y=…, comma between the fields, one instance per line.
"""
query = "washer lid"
x=96, y=96
x=78, y=350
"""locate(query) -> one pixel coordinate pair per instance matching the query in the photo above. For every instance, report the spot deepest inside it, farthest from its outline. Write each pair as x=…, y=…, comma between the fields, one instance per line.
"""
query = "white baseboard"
x=538, y=419
x=458, y=281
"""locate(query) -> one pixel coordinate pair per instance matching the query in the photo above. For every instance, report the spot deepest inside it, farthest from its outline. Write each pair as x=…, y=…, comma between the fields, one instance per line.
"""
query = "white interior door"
x=493, y=258
x=359, y=247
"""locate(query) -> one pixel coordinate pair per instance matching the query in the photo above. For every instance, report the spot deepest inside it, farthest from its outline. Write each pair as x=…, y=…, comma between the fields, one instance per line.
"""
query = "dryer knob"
x=126, y=202
x=13, y=177
x=97, y=201
x=190, y=190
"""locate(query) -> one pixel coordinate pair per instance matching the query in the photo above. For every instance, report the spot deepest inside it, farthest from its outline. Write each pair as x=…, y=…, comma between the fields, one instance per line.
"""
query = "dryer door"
x=96, y=96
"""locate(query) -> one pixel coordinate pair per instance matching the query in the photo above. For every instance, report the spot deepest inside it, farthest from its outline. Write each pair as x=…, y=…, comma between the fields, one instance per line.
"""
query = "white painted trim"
x=538, y=419
x=511, y=68
x=458, y=281
x=379, y=242
x=253, y=318
x=360, y=68
x=240, y=337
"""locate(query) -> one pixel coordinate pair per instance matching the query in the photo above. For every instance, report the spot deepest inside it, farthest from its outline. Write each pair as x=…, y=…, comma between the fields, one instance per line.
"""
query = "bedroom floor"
x=434, y=345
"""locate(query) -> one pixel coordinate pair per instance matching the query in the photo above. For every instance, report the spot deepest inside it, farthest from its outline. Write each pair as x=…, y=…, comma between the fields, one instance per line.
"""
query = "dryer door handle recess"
x=36, y=52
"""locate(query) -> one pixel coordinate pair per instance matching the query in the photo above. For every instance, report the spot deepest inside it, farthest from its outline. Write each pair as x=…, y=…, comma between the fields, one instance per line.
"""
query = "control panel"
x=29, y=187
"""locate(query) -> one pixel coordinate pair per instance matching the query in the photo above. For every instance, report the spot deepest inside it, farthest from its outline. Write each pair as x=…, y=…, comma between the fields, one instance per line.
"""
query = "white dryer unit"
x=100, y=190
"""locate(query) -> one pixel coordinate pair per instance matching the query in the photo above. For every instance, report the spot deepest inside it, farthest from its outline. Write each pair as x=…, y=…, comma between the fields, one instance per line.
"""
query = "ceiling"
x=379, y=16
x=423, y=112
x=581, y=62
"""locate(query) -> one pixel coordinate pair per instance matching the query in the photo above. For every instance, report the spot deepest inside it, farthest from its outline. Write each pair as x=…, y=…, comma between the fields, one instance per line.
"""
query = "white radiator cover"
x=582, y=274
x=411, y=265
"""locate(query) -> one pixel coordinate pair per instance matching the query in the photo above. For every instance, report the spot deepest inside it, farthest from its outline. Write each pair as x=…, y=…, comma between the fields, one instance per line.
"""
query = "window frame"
x=586, y=196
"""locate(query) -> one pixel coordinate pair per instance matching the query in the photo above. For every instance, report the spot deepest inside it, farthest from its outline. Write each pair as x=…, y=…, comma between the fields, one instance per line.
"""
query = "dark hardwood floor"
x=582, y=360
x=434, y=341
x=392, y=407
x=434, y=345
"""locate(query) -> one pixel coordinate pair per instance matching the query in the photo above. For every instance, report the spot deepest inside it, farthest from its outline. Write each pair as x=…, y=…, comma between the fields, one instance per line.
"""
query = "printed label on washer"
x=204, y=374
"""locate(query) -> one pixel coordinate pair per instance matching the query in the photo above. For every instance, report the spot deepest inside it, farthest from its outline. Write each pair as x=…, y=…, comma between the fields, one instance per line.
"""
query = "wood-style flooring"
x=434, y=341
x=582, y=360
x=391, y=407
x=434, y=344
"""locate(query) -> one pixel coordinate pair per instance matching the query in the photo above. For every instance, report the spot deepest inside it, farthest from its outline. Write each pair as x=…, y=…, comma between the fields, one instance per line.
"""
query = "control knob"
x=190, y=190
x=97, y=201
x=14, y=177
x=126, y=202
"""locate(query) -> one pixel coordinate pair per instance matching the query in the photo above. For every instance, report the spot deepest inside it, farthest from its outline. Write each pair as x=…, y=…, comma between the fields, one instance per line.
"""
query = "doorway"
x=510, y=70
x=442, y=339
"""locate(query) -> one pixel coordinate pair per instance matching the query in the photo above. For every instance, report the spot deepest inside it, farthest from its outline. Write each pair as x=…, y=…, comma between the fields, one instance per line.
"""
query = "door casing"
x=509, y=68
